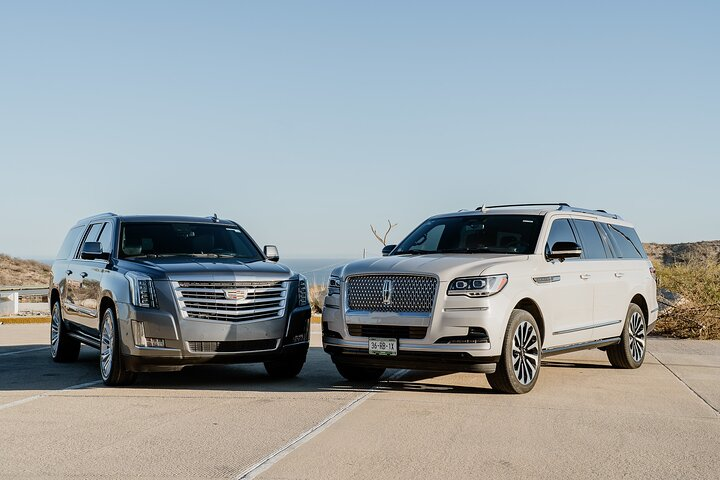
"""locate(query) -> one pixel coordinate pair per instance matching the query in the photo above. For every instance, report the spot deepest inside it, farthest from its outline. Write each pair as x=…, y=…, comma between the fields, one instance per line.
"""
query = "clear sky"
x=307, y=121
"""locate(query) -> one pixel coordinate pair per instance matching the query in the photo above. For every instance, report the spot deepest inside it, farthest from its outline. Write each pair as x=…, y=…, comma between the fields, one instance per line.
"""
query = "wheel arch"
x=105, y=303
x=54, y=296
x=640, y=301
x=530, y=306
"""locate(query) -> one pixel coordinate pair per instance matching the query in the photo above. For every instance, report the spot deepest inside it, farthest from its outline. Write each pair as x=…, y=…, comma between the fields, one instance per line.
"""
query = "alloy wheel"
x=525, y=353
x=55, y=331
x=637, y=336
x=107, y=343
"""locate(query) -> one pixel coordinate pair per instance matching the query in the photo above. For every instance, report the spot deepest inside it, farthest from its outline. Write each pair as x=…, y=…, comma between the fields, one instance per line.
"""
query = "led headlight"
x=478, y=286
x=302, y=291
x=142, y=290
x=333, y=285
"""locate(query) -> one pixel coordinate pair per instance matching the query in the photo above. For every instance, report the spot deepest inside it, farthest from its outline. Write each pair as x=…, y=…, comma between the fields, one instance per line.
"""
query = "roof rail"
x=560, y=205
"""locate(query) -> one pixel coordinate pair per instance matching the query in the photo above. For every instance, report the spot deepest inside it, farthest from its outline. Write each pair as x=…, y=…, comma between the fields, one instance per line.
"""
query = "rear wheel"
x=63, y=348
x=630, y=352
x=285, y=368
x=519, y=364
x=112, y=369
x=356, y=373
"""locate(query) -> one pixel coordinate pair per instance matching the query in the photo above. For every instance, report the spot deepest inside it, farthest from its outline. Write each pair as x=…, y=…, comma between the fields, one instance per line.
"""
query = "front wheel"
x=112, y=369
x=630, y=352
x=286, y=368
x=356, y=373
x=519, y=366
x=63, y=348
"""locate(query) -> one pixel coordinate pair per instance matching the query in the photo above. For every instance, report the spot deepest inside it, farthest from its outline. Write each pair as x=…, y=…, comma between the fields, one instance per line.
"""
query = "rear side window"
x=625, y=241
x=560, y=231
x=71, y=240
x=592, y=244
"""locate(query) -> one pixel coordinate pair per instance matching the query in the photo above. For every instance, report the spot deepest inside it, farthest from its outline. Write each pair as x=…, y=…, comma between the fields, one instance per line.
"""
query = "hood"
x=217, y=269
x=445, y=266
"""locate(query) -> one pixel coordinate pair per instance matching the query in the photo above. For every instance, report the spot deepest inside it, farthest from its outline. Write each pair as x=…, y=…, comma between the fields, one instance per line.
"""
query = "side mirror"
x=271, y=252
x=563, y=250
x=387, y=249
x=93, y=251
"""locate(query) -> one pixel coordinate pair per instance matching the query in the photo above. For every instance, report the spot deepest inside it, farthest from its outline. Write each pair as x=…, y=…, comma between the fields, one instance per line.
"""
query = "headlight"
x=333, y=285
x=142, y=290
x=478, y=286
x=302, y=291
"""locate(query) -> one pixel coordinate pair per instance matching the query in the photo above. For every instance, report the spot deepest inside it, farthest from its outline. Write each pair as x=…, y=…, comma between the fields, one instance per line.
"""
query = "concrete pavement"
x=584, y=419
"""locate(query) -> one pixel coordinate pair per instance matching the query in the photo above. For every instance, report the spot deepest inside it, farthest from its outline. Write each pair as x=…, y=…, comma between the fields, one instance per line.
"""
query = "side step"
x=85, y=338
x=549, y=352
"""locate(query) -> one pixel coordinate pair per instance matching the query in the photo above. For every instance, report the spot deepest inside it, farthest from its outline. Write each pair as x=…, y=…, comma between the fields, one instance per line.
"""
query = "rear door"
x=83, y=284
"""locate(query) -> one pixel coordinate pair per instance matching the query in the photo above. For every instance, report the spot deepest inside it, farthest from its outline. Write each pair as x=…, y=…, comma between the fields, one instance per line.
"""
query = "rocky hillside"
x=16, y=272
x=696, y=252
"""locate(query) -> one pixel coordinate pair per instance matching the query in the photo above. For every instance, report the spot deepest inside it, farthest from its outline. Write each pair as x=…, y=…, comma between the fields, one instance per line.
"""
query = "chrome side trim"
x=410, y=347
x=587, y=327
x=547, y=279
x=580, y=346
x=465, y=309
x=654, y=310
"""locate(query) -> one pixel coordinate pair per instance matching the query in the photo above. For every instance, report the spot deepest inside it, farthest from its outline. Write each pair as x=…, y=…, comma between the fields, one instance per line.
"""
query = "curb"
x=22, y=320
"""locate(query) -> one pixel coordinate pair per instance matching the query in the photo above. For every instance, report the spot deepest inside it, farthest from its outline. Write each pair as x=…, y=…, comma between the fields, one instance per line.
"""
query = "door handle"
x=619, y=274
x=83, y=274
x=585, y=276
x=68, y=272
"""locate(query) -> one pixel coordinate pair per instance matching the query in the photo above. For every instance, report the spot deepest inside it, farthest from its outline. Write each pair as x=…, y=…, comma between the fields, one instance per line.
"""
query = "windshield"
x=512, y=234
x=165, y=239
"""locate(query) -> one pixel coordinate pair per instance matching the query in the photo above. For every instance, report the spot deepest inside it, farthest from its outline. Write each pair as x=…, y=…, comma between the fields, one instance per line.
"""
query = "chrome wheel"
x=55, y=330
x=107, y=343
x=525, y=353
x=637, y=336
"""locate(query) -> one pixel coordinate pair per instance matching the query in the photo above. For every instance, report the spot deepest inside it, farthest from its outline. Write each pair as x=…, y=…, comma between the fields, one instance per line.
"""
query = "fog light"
x=155, y=342
x=141, y=340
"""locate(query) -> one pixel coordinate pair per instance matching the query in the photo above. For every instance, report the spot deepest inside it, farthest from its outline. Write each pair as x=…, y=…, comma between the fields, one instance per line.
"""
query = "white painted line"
x=308, y=435
x=47, y=394
x=27, y=350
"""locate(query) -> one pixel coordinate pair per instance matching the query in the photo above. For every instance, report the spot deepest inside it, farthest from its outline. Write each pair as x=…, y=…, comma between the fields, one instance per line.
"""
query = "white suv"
x=493, y=291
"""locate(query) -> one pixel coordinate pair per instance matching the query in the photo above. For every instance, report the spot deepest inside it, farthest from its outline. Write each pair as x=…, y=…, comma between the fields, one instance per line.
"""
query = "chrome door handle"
x=585, y=276
x=619, y=274
x=83, y=274
x=68, y=272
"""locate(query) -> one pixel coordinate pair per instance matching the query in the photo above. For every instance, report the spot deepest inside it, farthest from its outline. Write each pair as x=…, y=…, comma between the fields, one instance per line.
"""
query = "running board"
x=85, y=338
x=580, y=346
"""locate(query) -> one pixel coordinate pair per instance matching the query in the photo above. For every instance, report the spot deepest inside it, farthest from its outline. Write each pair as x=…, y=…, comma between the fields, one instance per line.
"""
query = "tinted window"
x=106, y=237
x=592, y=244
x=92, y=234
x=622, y=241
x=474, y=234
x=186, y=239
x=560, y=231
x=71, y=240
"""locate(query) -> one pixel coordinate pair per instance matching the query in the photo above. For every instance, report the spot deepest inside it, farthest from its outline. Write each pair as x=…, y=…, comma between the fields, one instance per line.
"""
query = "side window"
x=623, y=241
x=560, y=231
x=71, y=240
x=592, y=244
x=91, y=236
x=106, y=237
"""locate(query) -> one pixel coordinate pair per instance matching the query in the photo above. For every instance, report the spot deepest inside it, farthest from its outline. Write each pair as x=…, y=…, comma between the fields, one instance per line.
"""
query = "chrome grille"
x=409, y=293
x=232, y=347
x=231, y=301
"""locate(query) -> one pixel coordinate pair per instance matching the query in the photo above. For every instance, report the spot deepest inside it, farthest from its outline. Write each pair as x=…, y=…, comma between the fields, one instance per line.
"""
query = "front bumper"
x=290, y=333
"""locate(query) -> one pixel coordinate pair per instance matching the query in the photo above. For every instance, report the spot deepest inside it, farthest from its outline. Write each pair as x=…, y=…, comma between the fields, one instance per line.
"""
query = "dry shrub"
x=15, y=272
x=317, y=297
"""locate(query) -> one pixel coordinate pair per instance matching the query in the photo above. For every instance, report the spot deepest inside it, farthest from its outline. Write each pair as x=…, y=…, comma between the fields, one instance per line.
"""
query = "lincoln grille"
x=387, y=331
x=232, y=301
x=391, y=293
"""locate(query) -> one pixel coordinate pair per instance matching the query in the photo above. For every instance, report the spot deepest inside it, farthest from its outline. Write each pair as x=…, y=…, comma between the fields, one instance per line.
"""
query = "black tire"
x=63, y=348
x=112, y=368
x=630, y=352
x=519, y=365
x=355, y=373
x=288, y=367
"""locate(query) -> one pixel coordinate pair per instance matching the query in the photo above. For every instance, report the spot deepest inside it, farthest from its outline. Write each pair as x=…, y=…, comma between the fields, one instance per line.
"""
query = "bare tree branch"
x=383, y=239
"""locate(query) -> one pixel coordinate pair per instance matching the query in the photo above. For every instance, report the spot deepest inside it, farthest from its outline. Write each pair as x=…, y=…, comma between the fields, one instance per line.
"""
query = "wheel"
x=355, y=373
x=286, y=368
x=63, y=348
x=519, y=365
x=630, y=352
x=111, y=361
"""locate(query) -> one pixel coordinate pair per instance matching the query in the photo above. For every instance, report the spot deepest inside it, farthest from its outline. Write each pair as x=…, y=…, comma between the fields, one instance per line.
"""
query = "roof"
x=541, y=209
x=156, y=218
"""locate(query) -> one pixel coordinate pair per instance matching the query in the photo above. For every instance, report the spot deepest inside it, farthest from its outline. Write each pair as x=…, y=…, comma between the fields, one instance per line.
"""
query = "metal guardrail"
x=10, y=298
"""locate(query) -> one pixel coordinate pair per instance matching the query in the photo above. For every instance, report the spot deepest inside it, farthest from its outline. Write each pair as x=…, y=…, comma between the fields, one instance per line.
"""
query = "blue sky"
x=307, y=121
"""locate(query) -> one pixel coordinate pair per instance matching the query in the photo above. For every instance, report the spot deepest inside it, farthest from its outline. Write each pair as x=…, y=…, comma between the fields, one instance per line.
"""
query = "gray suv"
x=157, y=293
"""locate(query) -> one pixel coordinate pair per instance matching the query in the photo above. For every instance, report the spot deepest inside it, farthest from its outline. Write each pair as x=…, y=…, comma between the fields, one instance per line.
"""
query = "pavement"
x=584, y=419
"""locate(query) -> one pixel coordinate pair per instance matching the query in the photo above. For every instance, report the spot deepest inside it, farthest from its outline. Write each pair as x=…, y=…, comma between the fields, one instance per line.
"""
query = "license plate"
x=382, y=346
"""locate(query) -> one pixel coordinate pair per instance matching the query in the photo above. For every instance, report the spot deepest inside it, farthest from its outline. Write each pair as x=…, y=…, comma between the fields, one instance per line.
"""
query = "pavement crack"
x=717, y=412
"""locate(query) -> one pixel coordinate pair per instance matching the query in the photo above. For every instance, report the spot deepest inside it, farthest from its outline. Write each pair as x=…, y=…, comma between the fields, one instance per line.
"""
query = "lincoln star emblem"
x=387, y=292
x=236, y=294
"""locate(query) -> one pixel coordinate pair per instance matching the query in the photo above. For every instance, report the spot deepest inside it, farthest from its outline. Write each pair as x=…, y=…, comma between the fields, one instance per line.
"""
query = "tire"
x=63, y=348
x=519, y=365
x=630, y=352
x=355, y=373
x=288, y=367
x=112, y=370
